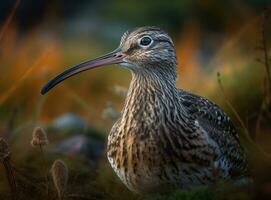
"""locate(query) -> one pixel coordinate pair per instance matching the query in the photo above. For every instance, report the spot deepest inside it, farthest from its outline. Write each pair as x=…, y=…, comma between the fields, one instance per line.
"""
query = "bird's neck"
x=149, y=98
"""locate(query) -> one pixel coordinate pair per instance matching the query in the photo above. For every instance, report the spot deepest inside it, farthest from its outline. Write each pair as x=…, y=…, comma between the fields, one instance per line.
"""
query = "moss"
x=201, y=193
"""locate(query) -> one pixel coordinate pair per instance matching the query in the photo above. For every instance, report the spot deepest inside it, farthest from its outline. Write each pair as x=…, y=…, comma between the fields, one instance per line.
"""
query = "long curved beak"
x=113, y=57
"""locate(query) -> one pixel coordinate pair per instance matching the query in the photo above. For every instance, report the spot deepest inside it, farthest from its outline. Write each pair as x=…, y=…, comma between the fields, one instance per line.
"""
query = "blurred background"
x=38, y=39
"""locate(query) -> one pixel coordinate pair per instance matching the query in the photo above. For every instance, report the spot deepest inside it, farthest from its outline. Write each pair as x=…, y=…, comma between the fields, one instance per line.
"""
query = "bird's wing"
x=207, y=112
x=219, y=127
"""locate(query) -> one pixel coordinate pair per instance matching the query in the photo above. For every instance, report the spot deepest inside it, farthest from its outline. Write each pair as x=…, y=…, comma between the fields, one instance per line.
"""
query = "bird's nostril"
x=119, y=55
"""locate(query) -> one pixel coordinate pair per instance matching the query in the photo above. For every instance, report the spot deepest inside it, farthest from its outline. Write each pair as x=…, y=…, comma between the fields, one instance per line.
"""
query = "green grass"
x=201, y=193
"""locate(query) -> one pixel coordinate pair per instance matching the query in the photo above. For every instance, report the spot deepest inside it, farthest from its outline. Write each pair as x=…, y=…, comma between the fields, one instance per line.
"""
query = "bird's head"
x=144, y=50
x=147, y=47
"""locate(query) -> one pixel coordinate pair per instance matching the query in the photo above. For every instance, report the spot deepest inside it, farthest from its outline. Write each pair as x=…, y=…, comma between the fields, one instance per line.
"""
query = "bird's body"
x=166, y=138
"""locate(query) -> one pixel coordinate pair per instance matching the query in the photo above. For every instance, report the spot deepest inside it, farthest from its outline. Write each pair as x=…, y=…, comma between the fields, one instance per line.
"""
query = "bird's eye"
x=145, y=41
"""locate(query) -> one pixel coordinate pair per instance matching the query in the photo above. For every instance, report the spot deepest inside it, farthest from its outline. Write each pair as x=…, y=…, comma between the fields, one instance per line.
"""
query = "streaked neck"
x=147, y=96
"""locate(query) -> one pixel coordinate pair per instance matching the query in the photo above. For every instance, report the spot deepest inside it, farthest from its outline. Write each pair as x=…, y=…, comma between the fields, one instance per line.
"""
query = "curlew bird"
x=166, y=137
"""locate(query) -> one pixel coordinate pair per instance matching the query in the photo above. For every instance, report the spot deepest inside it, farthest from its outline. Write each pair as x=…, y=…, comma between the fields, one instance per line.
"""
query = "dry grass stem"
x=4, y=150
x=9, y=19
x=5, y=160
x=265, y=105
x=241, y=122
x=40, y=139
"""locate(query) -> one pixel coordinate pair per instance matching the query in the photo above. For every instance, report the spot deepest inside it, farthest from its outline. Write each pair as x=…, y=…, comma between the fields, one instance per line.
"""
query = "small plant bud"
x=39, y=137
x=60, y=177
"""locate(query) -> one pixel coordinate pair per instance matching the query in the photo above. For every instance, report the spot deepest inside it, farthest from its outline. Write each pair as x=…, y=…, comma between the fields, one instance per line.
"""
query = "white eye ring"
x=145, y=41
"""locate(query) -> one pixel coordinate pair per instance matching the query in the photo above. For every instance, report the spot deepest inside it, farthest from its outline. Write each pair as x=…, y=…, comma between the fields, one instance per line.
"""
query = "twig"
x=5, y=160
x=10, y=124
x=267, y=80
x=45, y=171
x=230, y=105
x=241, y=122
x=265, y=48
x=10, y=177
x=27, y=179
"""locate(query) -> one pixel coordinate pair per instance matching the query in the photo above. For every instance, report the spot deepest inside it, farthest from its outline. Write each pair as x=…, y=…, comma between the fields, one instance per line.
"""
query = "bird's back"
x=221, y=129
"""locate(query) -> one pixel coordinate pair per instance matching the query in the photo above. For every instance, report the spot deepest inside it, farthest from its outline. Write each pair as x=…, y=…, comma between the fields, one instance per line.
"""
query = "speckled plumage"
x=167, y=137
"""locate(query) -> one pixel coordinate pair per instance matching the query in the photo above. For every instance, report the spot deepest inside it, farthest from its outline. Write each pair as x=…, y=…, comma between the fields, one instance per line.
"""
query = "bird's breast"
x=133, y=159
x=146, y=165
x=152, y=148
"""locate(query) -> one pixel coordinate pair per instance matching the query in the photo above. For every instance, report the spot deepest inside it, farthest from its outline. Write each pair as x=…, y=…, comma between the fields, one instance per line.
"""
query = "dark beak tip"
x=42, y=92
